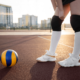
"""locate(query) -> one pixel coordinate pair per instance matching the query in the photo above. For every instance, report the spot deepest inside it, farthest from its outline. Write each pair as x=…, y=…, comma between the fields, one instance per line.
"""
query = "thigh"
x=66, y=10
x=75, y=7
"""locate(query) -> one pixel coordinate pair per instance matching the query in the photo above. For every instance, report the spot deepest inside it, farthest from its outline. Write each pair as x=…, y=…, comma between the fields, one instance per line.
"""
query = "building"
x=33, y=21
x=39, y=25
x=43, y=24
x=29, y=21
x=15, y=25
x=20, y=22
x=6, y=16
x=26, y=21
x=68, y=26
x=48, y=22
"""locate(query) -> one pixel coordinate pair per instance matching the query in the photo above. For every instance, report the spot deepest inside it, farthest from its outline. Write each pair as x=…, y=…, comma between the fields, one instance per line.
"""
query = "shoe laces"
x=73, y=58
x=70, y=54
x=48, y=52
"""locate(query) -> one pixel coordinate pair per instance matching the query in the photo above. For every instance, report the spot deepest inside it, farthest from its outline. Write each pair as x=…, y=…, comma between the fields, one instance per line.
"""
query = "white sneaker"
x=46, y=57
x=70, y=62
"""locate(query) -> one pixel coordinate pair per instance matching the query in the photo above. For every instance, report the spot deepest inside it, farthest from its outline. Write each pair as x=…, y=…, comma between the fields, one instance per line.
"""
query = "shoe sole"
x=44, y=61
x=70, y=65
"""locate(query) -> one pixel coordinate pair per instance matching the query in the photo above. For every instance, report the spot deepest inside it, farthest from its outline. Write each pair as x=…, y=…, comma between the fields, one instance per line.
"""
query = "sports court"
x=29, y=47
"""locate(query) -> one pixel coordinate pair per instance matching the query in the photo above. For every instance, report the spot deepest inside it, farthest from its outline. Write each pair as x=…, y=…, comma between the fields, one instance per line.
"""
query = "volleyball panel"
x=8, y=57
x=3, y=58
x=13, y=58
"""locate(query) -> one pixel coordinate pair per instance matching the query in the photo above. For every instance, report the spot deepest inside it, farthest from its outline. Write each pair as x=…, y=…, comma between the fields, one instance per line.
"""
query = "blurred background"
x=28, y=15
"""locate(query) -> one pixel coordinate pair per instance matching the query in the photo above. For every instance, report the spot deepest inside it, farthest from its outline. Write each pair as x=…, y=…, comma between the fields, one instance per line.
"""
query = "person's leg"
x=56, y=33
x=56, y=26
x=75, y=22
x=73, y=60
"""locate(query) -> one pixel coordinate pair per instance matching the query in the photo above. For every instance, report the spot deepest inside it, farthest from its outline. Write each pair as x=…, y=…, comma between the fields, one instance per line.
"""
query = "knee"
x=56, y=23
x=75, y=22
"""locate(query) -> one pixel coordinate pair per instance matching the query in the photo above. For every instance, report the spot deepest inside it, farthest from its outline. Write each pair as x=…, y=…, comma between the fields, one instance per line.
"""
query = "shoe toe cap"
x=38, y=58
x=61, y=63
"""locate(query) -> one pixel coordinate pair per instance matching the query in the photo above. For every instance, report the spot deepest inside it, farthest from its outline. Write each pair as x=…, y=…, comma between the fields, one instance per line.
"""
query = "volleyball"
x=9, y=58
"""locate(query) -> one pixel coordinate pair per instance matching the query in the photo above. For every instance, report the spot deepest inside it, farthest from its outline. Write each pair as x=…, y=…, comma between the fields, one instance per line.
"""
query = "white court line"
x=50, y=40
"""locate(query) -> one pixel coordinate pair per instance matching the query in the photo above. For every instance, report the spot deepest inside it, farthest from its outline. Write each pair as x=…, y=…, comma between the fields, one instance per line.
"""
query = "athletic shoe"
x=46, y=57
x=70, y=62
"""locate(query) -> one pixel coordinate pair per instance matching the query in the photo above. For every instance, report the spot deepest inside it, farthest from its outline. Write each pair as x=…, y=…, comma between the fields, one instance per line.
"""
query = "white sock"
x=76, y=49
x=54, y=41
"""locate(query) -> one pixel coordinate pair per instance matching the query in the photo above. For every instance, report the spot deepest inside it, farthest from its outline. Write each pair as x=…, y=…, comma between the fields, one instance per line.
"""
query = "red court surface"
x=31, y=47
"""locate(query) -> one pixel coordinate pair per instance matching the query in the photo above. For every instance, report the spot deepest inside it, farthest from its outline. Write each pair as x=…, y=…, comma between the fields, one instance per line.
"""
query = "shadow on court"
x=42, y=71
x=3, y=72
x=68, y=73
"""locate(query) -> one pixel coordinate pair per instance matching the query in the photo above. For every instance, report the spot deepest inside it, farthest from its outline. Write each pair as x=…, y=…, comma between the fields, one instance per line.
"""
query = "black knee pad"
x=75, y=22
x=56, y=23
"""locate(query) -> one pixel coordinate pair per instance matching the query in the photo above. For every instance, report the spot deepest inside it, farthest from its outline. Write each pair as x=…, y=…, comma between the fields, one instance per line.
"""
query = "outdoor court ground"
x=30, y=47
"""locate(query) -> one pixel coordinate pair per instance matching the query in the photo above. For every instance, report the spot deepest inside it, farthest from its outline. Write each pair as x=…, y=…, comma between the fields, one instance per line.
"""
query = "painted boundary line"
x=50, y=40
x=63, y=32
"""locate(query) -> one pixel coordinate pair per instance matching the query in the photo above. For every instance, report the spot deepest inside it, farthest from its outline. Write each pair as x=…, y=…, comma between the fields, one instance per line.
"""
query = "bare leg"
x=66, y=10
x=75, y=10
x=75, y=7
